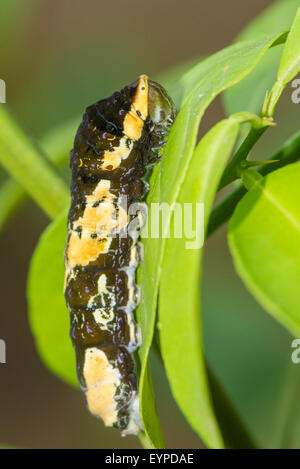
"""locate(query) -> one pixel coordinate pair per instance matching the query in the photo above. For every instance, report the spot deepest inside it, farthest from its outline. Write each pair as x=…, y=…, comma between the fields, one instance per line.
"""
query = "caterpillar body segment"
x=118, y=139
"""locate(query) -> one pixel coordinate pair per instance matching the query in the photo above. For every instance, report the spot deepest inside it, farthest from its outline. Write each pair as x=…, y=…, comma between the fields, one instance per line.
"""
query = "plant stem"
x=30, y=168
x=231, y=171
x=289, y=153
x=221, y=213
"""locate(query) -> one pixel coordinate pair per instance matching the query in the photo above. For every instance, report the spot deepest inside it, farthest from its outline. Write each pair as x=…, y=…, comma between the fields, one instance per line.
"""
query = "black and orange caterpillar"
x=118, y=140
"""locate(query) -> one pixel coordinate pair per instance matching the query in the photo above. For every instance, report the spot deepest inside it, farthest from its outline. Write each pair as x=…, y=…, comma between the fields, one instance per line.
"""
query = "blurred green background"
x=57, y=57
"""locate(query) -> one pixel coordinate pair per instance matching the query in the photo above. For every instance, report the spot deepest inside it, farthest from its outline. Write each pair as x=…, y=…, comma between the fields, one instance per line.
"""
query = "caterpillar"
x=118, y=140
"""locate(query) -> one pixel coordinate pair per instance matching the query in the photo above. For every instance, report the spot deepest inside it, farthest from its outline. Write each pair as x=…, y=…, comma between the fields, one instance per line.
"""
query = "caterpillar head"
x=161, y=114
x=161, y=109
x=151, y=110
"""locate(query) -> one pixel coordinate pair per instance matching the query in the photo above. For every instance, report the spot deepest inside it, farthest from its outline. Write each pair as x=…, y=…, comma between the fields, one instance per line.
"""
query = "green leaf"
x=206, y=69
x=288, y=69
x=48, y=314
x=169, y=79
x=149, y=415
x=290, y=60
x=249, y=94
x=198, y=88
x=264, y=239
x=179, y=318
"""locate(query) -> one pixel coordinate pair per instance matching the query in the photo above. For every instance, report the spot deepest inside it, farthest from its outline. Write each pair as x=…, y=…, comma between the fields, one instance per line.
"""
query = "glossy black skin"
x=85, y=160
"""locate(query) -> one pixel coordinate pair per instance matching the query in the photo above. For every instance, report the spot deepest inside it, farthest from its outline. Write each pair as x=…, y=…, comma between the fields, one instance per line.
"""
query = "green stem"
x=223, y=210
x=30, y=168
x=289, y=153
x=231, y=171
x=273, y=98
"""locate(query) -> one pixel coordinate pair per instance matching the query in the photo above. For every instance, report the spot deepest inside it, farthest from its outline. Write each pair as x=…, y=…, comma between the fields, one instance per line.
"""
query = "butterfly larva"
x=116, y=142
